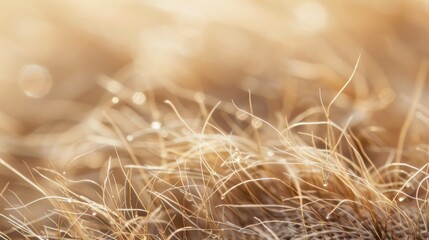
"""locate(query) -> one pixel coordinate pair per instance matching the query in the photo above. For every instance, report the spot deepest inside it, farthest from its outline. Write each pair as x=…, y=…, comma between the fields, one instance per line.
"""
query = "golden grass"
x=214, y=120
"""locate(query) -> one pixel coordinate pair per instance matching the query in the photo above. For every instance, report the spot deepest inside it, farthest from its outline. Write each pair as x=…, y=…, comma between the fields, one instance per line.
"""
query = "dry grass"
x=222, y=120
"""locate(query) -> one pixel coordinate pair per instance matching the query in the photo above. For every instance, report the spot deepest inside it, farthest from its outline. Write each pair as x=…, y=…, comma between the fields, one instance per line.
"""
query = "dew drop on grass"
x=115, y=100
x=35, y=80
x=256, y=123
x=155, y=125
x=325, y=182
x=139, y=98
x=69, y=200
x=189, y=197
x=241, y=115
x=130, y=138
x=270, y=153
x=402, y=198
x=236, y=157
x=94, y=213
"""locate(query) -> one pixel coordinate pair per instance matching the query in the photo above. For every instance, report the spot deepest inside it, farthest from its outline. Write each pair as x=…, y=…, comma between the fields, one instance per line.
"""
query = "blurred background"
x=60, y=60
x=53, y=52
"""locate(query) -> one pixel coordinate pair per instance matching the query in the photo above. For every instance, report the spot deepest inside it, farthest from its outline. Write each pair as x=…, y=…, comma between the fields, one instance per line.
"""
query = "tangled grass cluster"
x=214, y=120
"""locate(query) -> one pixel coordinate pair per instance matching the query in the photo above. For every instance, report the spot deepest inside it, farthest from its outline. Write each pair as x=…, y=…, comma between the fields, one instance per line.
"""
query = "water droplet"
x=402, y=198
x=155, y=125
x=94, y=213
x=115, y=100
x=256, y=123
x=325, y=182
x=139, y=98
x=236, y=157
x=270, y=153
x=328, y=217
x=69, y=200
x=189, y=197
x=240, y=115
x=35, y=80
x=408, y=185
x=130, y=138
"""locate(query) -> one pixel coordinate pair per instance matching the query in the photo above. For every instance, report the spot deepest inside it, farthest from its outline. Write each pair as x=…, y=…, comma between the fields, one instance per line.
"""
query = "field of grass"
x=141, y=119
